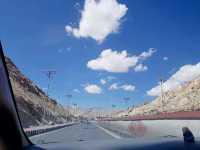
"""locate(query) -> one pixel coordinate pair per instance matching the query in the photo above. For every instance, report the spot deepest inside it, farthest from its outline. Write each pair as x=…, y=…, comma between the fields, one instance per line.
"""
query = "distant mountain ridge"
x=183, y=98
x=34, y=106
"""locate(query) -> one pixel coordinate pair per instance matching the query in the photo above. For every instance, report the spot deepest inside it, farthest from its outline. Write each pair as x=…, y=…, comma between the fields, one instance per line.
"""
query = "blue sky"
x=34, y=35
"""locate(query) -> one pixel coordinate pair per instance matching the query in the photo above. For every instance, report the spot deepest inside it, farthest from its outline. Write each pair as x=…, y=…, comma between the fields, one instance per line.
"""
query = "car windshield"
x=90, y=70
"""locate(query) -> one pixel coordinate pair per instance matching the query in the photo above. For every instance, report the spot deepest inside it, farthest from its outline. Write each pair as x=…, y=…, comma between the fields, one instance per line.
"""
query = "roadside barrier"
x=42, y=129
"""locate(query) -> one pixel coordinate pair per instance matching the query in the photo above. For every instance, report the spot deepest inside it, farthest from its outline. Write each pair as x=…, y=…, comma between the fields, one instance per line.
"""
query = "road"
x=77, y=132
x=107, y=130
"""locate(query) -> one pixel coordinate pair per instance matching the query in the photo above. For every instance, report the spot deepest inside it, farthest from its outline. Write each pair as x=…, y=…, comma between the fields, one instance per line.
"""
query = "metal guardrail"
x=43, y=129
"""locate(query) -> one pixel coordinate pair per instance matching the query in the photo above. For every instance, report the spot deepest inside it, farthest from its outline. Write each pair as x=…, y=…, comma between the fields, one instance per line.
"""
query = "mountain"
x=183, y=98
x=34, y=106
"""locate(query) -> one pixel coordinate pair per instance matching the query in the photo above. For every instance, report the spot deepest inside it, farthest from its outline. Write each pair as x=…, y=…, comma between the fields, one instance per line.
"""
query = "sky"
x=103, y=51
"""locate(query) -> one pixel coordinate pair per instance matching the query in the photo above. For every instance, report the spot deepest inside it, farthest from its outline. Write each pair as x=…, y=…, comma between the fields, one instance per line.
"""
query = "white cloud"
x=128, y=87
x=149, y=53
x=99, y=19
x=140, y=68
x=76, y=90
x=165, y=58
x=93, y=89
x=125, y=87
x=113, y=61
x=114, y=86
x=184, y=74
x=103, y=81
x=118, y=62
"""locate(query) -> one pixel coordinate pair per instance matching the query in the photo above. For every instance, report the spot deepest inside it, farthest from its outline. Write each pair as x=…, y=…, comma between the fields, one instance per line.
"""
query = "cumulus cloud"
x=128, y=87
x=140, y=68
x=119, y=62
x=184, y=74
x=93, y=89
x=99, y=19
x=149, y=53
x=165, y=58
x=125, y=87
x=113, y=61
x=103, y=81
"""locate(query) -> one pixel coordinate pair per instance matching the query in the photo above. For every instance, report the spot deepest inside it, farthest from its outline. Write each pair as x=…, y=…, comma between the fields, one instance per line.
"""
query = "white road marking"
x=108, y=132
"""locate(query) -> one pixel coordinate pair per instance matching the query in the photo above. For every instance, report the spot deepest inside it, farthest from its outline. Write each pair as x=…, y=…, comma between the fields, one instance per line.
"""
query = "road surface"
x=77, y=132
x=107, y=130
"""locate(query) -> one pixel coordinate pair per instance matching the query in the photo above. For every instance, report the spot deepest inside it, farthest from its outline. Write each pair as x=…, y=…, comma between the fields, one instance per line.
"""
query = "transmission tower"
x=49, y=74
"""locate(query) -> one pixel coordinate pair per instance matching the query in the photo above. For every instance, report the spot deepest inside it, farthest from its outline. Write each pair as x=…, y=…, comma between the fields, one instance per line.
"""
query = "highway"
x=107, y=130
x=77, y=132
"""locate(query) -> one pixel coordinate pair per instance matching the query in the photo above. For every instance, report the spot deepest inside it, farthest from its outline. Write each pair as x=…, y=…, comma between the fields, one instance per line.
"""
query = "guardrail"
x=42, y=129
x=193, y=115
x=151, y=128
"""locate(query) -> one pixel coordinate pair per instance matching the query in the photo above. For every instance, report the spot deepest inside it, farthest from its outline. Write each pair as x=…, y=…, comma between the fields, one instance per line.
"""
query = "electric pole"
x=49, y=74
x=69, y=96
x=75, y=109
x=162, y=94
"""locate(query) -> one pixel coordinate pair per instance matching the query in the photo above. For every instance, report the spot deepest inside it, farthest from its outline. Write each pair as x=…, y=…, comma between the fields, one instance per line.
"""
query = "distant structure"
x=75, y=108
x=69, y=96
x=50, y=74
x=162, y=94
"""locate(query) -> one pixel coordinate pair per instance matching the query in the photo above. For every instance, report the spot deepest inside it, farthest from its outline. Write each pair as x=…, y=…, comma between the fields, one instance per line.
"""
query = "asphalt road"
x=104, y=131
x=77, y=132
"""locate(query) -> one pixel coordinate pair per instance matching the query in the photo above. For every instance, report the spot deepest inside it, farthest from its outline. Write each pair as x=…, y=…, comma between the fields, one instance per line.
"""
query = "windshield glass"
x=93, y=70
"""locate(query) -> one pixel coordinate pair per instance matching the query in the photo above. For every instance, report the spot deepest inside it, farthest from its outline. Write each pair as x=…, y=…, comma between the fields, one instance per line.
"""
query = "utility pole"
x=69, y=96
x=49, y=74
x=162, y=94
x=75, y=108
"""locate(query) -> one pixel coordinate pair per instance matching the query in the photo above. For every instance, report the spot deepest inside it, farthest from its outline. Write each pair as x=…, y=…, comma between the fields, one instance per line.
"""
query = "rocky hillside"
x=34, y=107
x=184, y=98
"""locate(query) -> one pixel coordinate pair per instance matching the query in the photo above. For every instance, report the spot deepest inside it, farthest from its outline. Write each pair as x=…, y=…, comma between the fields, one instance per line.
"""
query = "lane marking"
x=108, y=132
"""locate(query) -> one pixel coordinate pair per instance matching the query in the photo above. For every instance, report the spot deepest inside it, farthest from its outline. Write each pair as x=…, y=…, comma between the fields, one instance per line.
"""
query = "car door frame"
x=8, y=98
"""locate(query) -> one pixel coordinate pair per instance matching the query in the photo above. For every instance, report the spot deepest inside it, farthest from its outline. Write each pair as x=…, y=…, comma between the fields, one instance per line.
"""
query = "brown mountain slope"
x=34, y=107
